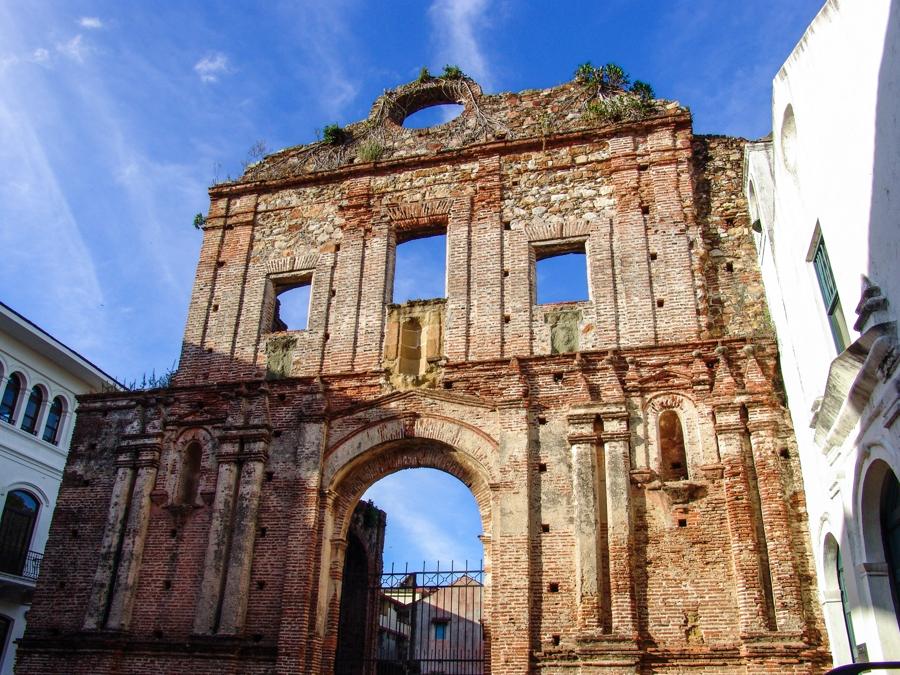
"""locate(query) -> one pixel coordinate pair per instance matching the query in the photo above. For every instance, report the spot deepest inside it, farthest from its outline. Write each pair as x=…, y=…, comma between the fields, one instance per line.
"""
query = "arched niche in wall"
x=189, y=464
x=676, y=449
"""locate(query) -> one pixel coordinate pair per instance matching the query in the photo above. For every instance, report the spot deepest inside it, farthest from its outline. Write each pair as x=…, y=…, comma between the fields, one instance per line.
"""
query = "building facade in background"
x=630, y=455
x=824, y=195
x=39, y=380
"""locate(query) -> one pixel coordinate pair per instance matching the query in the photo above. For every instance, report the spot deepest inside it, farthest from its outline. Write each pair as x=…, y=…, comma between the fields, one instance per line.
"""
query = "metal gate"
x=426, y=621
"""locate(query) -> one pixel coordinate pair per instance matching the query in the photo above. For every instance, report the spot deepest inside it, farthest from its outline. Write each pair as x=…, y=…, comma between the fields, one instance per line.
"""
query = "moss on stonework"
x=564, y=325
x=279, y=356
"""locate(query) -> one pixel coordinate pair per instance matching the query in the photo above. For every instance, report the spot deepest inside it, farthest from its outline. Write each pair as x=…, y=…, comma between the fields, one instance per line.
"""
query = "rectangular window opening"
x=420, y=265
x=292, y=300
x=560, y=273
x=828, y=287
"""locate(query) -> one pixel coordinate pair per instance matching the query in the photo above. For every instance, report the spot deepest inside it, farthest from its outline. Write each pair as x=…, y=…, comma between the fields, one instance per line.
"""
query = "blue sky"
x=115, y=117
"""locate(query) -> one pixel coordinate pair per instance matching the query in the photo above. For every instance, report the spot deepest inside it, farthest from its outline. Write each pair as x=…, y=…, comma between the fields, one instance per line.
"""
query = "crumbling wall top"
x=485, y=118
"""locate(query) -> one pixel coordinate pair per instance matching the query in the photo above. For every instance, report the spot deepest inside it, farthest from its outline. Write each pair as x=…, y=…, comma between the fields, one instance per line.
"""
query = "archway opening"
x=424, y=601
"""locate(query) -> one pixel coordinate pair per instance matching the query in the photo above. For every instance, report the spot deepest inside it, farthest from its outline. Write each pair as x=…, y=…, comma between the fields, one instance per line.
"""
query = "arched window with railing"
x=20, y=514
x=10, y=397
x=32, y=410
x=54, y=420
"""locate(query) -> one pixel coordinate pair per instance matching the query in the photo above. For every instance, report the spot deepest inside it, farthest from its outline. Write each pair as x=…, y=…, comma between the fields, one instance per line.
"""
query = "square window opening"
x=292, y=301
x=561, y=273
x=420, y=265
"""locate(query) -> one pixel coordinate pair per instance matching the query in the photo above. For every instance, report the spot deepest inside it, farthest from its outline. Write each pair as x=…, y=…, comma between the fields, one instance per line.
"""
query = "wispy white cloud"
x=74, y=49
x=90, y=22
x=457, y=24
x=211, y=67
x=40, y=55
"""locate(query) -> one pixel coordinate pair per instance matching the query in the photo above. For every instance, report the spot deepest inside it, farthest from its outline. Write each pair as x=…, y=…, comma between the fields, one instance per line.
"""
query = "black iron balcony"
x=27, y=566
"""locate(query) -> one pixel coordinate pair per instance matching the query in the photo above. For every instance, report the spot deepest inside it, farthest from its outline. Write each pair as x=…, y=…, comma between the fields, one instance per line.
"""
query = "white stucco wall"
x=26, y=461
x=838, y=171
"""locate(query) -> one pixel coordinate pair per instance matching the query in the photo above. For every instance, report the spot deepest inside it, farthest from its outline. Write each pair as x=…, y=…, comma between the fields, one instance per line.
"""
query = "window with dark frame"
x=560, y=273
x=10, y=398
x=16, y=527
x=845, y=604
x=830, y=297
x=32, y=410
x=54, y=417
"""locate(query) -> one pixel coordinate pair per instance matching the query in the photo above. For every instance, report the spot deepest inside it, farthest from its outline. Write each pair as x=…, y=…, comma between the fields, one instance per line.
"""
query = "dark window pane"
x=890, y=530
x=32, y=410
x=16, y=527
x=54, y=416
x=10, y=396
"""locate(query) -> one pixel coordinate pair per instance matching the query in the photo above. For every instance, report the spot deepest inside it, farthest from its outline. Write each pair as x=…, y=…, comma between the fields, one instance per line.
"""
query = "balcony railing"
x=27, y=566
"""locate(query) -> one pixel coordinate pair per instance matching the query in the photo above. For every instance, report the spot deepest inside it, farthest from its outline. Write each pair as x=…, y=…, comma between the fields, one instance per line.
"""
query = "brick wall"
x=595, y=562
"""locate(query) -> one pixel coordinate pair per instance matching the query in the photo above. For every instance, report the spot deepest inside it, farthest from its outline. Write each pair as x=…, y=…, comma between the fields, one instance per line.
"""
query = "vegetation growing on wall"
x=613, y=97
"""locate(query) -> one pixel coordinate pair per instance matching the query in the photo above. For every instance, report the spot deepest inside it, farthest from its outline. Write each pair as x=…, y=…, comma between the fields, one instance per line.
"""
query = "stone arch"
x=875, y=468
x=374, y=451
x=695, y=450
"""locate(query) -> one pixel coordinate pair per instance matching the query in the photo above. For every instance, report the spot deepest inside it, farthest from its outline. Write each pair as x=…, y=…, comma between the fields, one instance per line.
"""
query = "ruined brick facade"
x=602, y=553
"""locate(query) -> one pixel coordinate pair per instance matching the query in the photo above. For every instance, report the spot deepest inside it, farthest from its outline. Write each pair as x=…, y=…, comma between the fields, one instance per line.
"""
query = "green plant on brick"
x=452, y=73
x=334, y=134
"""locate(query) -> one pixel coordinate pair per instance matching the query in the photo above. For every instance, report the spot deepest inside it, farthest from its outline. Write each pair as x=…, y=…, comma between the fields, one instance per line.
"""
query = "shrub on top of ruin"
x=424, y=75
x=452, y=73
x=369, y=151
x=608, y=78
x=199, y=221
x=642, y=90
x=622, y=108
x=334, y=134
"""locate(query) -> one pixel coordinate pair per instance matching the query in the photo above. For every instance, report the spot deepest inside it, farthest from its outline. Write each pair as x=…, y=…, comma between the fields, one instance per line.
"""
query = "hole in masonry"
x=282, y=397
x=557, y=377
x=660, y=302
x=505, y=273
x=167, y=584
x=74, y=533
x=173, y=533
x=783, y=453
x=432, y=115
x=729, y=267
x=542, y=468
x=507, y=226
x=420, y=266
x=682, y=522
x=337, y=247
x=448, y=385
x=645, y=209
x=652, y=256
x=215, y=308
x=542, y=420
x=220, y=263
x=262, y=532
x=257, y=637
x=276, y=433
x=553, y=587
x=270, y=475
x=292, y=305
x=561, y=275
x=209, y=350
x=545, y=527
x=260, y=584
x=158, y=634
x=555, y=640
x=643, y=167
x=506, y=318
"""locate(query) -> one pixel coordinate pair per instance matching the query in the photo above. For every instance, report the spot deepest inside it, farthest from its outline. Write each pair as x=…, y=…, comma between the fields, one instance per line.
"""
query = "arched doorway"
x=447, y=589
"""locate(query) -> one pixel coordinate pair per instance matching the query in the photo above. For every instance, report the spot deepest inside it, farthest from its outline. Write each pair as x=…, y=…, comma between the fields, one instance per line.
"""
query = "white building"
x=825, y=192
x=39, y=380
